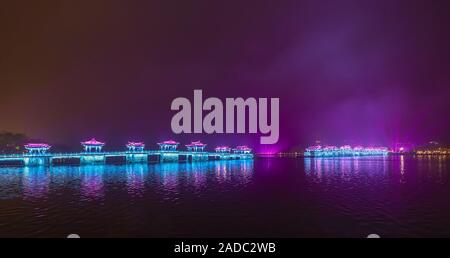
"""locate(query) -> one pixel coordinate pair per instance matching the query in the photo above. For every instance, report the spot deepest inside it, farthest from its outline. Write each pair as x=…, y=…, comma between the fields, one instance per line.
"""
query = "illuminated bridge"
x=38, y=155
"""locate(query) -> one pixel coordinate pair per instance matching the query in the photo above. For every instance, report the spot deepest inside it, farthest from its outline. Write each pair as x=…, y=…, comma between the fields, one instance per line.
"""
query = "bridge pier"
x=213, y=157
x=225, y=156
x=169, y=157
x=245, y=156
x=92, y=159
x=36, y=161
x=136, y=158
x=199, y=157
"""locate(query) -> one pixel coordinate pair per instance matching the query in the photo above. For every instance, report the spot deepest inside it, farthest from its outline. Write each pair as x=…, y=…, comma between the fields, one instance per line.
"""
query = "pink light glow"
x=346, y=147
x=136, y=144
x=37, y=146
x=314, y=148
x=169, y=142
x=93, y=142
x=222, y=148
x=196, y=144
x=242, y=147
x=358, y=147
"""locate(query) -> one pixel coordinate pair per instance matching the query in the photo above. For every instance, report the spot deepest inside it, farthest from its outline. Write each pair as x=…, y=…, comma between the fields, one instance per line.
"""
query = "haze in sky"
x=361, y=72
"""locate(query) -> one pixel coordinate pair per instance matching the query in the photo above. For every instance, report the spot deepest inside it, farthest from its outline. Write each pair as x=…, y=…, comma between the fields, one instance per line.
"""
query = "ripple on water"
x=390, y=196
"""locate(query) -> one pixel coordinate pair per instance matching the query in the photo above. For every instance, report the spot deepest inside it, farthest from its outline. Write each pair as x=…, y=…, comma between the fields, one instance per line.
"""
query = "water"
x=271, y=197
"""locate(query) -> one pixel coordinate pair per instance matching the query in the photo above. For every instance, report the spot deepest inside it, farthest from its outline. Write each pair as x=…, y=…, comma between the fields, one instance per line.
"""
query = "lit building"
x=314, y=148
x=135, y=146
x=168, y=145
x=332, y=150
x=346, y=150
x=37, y=148
x=242, y=150
x=223, y=149
x=433, y=148
x=196, y=146
x=402, y=147
x=438, y=151
x=92, y=145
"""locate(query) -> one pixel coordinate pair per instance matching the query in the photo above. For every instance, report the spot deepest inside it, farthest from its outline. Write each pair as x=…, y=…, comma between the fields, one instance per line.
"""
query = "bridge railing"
x=24, y=155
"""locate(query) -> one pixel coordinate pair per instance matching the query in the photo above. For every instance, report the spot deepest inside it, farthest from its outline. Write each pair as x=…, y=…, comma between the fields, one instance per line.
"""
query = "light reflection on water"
x=273, y=197
x=345, y=168
x=34, y=182
x=320, y=169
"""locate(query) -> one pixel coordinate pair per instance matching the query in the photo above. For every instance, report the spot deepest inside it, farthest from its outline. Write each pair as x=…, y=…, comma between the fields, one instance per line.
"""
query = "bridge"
x=38, y=155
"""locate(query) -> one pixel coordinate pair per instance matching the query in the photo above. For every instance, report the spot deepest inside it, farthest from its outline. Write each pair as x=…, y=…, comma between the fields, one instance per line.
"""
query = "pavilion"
x=223, y=149
x=135, y=146
x=196, y=146
x=242, y=150
x=92, y=145
x=37, y=148
x=169, y=145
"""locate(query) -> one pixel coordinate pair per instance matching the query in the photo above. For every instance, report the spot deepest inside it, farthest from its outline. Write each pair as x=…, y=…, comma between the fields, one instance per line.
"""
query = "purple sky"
x=362, y=72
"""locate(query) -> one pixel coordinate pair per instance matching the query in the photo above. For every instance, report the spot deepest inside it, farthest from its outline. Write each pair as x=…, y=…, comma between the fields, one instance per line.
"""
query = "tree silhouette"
x=12, y=142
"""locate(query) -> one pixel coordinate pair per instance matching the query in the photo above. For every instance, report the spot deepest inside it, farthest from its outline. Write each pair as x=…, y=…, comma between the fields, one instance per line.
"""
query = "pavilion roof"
x=169, y=142
x=243, y=147
x=136, y=144
x=222, y=148
x=37, y=146
x=93, y=142
x=314, y=148
x=196, y=144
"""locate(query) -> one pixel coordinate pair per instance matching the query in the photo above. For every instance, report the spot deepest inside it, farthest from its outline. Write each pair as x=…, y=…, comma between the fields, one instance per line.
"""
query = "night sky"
x=361, y=72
